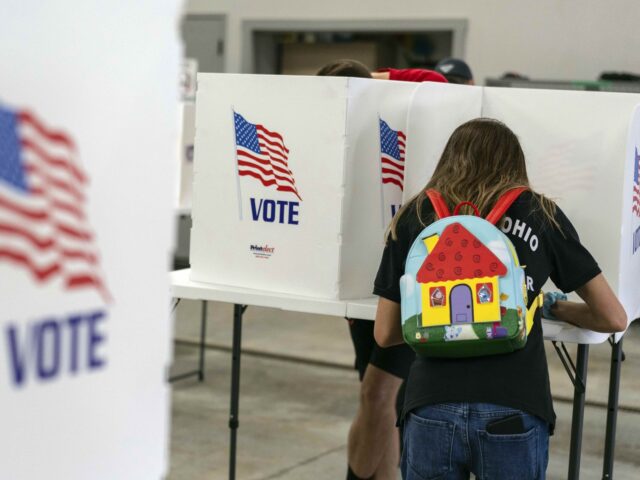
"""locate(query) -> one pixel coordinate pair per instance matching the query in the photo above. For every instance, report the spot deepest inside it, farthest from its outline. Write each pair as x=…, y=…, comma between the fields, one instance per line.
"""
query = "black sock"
x=353, y=476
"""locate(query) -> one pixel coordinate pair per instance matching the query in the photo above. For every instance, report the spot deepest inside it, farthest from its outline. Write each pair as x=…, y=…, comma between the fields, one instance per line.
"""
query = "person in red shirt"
x=374, y=442
x=409, y=75
x=354, y=68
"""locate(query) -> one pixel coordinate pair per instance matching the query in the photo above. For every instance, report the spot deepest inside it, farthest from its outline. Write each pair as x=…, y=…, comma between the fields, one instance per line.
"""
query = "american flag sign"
x=636, y=185
x=43, y=223
x=392, y=146
x=262, y=154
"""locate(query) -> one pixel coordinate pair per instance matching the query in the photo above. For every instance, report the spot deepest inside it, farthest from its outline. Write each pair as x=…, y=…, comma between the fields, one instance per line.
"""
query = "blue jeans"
x=449, y=441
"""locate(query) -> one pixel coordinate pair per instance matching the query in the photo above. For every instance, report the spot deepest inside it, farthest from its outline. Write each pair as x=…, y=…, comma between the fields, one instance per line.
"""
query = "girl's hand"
x=550, y=299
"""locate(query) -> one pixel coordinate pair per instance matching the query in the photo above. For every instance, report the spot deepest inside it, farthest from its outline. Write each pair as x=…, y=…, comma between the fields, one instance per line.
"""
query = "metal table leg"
x=238, y=310
x=612, y=409
x=578, y=375
x=203, y=333
x=578, y=412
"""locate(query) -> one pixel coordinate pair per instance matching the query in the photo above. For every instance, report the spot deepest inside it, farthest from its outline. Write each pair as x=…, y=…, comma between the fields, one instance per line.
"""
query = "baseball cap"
x=454, y=66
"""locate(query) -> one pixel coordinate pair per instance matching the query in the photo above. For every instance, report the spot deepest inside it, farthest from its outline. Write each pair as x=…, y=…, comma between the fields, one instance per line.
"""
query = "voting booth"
x=295, y=181
x=581, y=150
x=630, y=232
x=88, y=136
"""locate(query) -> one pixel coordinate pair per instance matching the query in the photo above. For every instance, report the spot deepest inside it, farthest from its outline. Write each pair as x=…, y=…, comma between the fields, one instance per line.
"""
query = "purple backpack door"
x=461, y=304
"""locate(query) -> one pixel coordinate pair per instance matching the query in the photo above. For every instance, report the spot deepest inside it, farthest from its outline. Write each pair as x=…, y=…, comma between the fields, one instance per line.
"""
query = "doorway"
x=302, y=47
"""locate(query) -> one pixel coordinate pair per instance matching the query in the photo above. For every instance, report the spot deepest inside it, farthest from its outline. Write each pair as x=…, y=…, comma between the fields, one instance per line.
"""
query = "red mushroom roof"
x=459, y=255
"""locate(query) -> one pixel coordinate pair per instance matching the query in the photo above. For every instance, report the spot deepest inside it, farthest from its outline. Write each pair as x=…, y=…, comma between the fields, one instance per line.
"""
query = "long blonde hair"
x=481, y=161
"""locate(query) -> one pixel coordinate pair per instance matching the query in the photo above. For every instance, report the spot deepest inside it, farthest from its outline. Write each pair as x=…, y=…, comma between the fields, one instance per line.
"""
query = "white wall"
x=544, y=39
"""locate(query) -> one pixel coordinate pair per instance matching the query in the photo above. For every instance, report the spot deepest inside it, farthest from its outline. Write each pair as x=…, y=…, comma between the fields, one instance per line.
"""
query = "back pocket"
x=427, y=448
x=509, y=456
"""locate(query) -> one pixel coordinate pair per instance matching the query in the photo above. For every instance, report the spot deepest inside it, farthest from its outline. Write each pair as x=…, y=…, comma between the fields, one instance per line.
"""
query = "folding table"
x=558, y=333
x=183, y=288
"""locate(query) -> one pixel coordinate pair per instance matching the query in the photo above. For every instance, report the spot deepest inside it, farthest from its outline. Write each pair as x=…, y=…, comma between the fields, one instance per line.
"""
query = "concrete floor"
x=299, y=394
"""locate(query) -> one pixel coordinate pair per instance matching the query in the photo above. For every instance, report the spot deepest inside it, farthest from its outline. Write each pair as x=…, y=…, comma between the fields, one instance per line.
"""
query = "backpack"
x=463, y=292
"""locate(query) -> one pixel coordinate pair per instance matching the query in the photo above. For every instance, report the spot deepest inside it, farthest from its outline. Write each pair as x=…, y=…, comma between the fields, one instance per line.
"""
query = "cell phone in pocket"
x=511, y=425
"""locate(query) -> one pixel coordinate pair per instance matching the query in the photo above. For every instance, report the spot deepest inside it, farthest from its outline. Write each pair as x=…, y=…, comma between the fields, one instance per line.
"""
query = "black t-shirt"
x=519, y=379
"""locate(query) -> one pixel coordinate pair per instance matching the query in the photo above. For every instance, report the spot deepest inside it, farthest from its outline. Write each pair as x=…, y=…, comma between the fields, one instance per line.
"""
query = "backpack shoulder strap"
x=503, y=204
x=439, y=205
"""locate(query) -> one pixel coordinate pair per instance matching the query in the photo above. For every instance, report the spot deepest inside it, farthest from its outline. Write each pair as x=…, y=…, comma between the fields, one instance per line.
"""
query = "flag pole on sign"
x=380, y=171
x=235, y=149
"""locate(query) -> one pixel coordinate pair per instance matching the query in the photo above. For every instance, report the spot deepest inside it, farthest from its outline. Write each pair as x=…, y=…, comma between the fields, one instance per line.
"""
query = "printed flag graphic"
x=43, y=223
x=262, y=154
x=392, y=145
x=636, y=185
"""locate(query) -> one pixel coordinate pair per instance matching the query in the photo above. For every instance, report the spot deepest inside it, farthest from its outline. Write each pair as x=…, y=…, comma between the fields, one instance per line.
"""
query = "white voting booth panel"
x=375, y=174
x=578, y=151
x=88, y=133
x=436, y=110
x=630, y=246
x=289, y=192
x=575, y=144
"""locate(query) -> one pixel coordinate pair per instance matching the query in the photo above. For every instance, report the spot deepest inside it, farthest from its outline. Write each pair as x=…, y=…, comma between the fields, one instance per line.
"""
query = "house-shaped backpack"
x=463, y=292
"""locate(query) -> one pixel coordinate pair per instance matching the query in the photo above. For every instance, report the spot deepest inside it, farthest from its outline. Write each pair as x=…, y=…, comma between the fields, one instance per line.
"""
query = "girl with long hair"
x=490, y=415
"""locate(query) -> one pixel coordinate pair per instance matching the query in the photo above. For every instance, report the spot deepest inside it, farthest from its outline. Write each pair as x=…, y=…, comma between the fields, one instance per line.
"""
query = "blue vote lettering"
x=48, y=348
x=278, y=211
x=395, y=208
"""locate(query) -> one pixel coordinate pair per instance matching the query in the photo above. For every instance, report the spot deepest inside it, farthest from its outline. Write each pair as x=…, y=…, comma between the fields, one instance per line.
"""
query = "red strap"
x=440, y=206
x=503, y=204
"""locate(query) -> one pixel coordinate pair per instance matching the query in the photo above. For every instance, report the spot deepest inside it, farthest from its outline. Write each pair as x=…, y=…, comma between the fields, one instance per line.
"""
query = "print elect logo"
x=44, y=231
x=263, y=155
x=262, y=251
